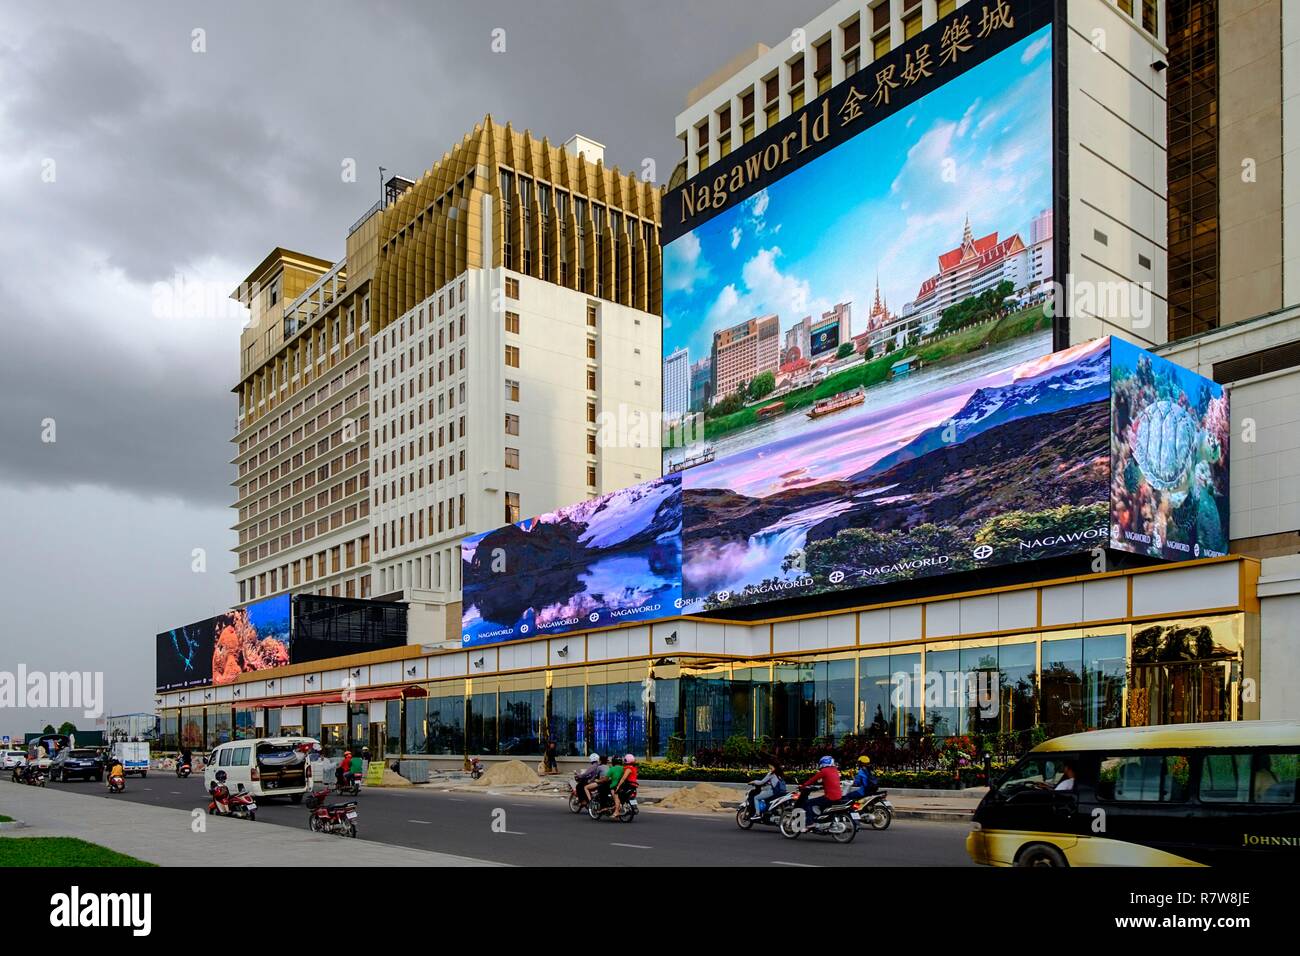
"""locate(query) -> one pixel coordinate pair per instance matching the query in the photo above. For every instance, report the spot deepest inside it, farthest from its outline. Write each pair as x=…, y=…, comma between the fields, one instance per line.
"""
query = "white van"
x=266, y=766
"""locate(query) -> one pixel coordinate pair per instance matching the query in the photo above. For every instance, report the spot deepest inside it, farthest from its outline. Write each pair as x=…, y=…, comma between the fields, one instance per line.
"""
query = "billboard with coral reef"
x=1170, y=434
x=253, y=638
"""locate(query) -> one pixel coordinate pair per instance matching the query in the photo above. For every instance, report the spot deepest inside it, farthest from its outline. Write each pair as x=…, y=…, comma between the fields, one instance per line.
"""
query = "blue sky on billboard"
x=887, y=201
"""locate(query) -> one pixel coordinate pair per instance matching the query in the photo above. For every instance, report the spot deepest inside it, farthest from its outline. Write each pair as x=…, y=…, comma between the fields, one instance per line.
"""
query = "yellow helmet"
x=864, y=760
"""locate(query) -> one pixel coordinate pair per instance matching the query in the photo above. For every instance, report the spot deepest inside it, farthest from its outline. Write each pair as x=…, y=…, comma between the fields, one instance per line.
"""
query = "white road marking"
x=633, y=846
x=784, y=863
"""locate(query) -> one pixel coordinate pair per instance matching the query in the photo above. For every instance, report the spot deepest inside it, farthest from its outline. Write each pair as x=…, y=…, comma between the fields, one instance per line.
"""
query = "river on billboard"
x=1013, y=465
x=1170, y=440
x=913, y=257
x=615, y=559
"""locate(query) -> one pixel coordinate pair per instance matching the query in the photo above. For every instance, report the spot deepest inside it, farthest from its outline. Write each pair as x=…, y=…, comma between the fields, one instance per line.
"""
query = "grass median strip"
x=60, y=851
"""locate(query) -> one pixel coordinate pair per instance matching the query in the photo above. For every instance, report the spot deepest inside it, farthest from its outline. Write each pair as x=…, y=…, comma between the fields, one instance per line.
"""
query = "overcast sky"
x=128, y=160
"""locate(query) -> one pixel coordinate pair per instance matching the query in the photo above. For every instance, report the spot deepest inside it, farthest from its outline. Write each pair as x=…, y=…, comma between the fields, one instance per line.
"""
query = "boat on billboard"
x=615, y=559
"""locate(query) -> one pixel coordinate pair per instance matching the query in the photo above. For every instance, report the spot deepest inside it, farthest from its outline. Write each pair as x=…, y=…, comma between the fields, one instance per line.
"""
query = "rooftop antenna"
x=382, y=170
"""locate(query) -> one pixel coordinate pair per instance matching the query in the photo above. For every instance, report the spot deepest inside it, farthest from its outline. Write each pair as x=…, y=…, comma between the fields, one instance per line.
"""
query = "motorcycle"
x=772, y=814
x=475, y=767
x=225, y=803
x=604, y=804
x=183, y=770
x=577, y=795
x=351, y=785
x=839, y=821
x=116, y=783
x=32, y=776
x=876, y=811
x=338, y=818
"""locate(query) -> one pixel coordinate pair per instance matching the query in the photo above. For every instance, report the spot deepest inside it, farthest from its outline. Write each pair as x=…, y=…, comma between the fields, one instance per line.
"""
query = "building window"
x=512, y=458
x=512, y=322
x=591, y=315
x=1150, y=22
x=702, y=144
x=771, y=100
x=591, y=444
x=512, y=390
x=724, y=130
x=591, y=476
x=512, y=287
x=512, y=507
x=591, y=412
x=796, y=84
x=747, y=116
x=822, y=56
x=880, y=30
x=512, y=424
x=591, y=348
x=512, y=356
x=948, y=6
x=591, y=380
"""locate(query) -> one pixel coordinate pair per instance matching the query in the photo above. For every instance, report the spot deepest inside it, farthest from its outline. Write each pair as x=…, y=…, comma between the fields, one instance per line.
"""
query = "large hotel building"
x=449, y=374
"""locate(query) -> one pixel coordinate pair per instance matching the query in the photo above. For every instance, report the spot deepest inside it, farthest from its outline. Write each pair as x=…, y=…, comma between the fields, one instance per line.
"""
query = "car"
x=265, y=766
x=12, y=757
x=76, y=762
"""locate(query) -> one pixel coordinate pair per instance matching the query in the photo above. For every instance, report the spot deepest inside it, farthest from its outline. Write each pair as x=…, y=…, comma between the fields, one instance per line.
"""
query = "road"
x=539, y=831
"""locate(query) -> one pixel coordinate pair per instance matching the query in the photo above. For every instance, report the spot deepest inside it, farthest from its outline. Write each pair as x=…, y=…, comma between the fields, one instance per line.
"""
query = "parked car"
x=13, y=757
x=76, y=762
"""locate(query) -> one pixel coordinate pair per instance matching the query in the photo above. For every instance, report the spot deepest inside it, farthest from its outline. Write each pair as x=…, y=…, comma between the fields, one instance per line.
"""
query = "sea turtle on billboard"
x=1166, y=437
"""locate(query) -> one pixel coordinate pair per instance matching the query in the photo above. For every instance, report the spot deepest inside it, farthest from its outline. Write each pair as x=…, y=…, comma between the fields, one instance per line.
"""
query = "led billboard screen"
x=1010, y=466
x=184, y=656
x=613, y=559
x=913, y=221
x=325, y=627
x=1169, y=448
x=1080, y=449
x=253, y=638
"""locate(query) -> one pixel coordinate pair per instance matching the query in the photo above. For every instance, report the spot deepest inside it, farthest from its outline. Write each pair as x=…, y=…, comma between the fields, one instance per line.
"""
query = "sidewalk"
x=164, y=836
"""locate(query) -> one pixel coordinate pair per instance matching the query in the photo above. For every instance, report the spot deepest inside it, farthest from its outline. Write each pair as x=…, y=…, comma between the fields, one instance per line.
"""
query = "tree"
x=762, y=385
x=49, y=729
x=845, y=350
x=67, y=728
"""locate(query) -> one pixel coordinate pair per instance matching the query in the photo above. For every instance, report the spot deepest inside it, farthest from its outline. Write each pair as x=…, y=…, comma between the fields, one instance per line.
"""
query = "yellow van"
x=1175, y=795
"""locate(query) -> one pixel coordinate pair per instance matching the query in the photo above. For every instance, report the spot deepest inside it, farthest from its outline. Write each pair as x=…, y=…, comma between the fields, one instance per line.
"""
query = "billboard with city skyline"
x=912, y=254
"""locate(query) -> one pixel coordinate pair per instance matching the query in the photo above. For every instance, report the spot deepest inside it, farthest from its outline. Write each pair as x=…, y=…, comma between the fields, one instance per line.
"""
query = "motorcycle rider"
x=771, y=784
x=341, y=771
x=116, y=771
x=864, y=781
x=602, y=769
x=625, y=785
x=828, y=778
x=187, y=757
x=584, y=778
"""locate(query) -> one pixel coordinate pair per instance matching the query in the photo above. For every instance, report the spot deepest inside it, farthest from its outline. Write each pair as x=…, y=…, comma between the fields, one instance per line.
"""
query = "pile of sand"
x=505, y=774
x=702, y=796
x=392, y=778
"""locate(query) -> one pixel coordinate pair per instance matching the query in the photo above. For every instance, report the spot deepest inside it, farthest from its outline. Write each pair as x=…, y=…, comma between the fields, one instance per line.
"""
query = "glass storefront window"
x=313, y=722
x=521, y=711
x=666, y=740
x=245, y=723
x=482, y=730
x=944, y=692
x=393, y=728
x=1186, y=671
x=615, y=708
x=417, y=732
x=358, y=728
x=794, y=701
x=568, y=720
x=444, y=723
x=1061, y=683
x=219, y=725
x=707, y=719
x=1105, y=676
x=1017, y=693
x=273, y=722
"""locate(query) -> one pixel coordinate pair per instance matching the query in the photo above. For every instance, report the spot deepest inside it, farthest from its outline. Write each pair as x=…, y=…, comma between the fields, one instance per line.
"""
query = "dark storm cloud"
x=167, y=159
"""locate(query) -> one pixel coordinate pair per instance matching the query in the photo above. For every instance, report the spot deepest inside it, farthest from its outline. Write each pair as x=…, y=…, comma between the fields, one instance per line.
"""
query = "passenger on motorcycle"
x=625, y=785
x=771, y=784
x=864, y=781
x=341, y=771
x=606, y=784
x=599, y=779
x=828, y=778
x=585, y=778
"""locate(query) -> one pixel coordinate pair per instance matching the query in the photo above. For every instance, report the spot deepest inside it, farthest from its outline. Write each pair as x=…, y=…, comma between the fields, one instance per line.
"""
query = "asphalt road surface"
x=540, y=831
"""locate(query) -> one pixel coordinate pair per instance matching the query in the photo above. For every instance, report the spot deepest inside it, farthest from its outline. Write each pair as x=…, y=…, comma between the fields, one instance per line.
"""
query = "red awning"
x=336, y=697
x=391, y=693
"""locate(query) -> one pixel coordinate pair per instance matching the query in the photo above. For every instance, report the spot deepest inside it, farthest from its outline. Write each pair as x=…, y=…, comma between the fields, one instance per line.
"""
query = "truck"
x=134, y=755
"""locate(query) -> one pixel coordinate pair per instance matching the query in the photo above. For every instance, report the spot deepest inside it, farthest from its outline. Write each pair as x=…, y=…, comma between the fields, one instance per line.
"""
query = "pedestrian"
x=552, y=765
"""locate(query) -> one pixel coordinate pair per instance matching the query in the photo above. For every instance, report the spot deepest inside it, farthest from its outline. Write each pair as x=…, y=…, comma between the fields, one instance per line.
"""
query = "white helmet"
x=594, y=758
